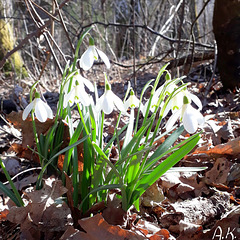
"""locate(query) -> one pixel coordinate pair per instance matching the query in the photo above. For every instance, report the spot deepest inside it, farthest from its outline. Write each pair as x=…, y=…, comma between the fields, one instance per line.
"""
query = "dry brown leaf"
x=163, y=234
x=153, y=196
x=226, y=228
x=177, y=184
x=23, y=152
x=70, y=234
x=27, y=129
x=219, y=172
x=197, y=212
x=152, y=231
x=26, y=181
x=3, y=215
x=97, y=228
x=43, y=214
x=114, y=214
x=230, y=148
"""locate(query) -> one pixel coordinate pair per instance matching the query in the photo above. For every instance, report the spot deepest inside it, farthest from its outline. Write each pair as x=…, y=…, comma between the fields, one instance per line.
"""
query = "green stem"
x=17, y=195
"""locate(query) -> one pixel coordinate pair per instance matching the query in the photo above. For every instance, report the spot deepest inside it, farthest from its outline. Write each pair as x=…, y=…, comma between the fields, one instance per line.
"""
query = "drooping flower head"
x=108, y=100
x=191, y=117
x=78, y=93
x=40, y=109
x=132, y=101
x=91, y=54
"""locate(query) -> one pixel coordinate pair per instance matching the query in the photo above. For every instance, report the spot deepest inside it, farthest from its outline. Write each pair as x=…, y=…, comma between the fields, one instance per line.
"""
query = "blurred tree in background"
x=152, y=32
x=226, y=25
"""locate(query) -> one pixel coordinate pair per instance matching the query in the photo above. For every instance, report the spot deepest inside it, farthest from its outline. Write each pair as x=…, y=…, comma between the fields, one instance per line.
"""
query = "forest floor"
x=180, y=205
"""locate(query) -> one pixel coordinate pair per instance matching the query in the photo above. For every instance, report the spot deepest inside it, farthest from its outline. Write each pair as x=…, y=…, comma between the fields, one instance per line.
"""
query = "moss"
x=7, y=42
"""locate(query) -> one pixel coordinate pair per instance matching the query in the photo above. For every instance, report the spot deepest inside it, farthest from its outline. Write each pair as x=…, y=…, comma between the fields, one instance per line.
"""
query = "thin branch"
x=192, y=33
x=64, y=26
x=22, y=43
x=171, y=40
x=28, y=37
x=42, y=9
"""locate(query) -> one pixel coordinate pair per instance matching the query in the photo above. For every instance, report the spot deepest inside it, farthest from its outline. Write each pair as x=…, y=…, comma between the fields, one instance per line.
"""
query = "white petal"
x=118, y=102
x=87, y=59
x=27, y=110
x=107, y=103
x=49, y=110
x=98, y=106
x=177, y=100
x=143, y=108
x=127, y=104
x=104, y=57
x=88, y=84
x=167, y=109
x=191, y=119
x=94, y=51
x=200, y=118
x=156, y=96
x=66, y=86
x=132, y=102
x=196, y=100
x=171, y=121
x=40, y=110
x=69, y=98
x=82, y=96
x=190, y=123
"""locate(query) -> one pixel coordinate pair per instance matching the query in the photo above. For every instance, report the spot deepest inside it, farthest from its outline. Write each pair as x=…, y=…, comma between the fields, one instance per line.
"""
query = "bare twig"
x=192, y=33
x=37, y=32
x=22, y=43
x=64, y=26
x=42, y=9
x=171, y=40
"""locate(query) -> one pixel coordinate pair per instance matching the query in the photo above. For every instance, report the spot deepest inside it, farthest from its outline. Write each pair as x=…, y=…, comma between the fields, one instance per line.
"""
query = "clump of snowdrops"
x=137, y=166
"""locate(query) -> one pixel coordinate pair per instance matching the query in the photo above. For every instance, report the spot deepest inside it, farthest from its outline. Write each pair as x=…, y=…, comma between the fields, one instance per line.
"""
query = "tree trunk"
x=7, y=40
x=226, y=27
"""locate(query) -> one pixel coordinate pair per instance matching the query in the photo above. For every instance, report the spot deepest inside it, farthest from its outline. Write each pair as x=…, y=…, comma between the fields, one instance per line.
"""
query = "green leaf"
x=147, y=180
x=136, y=138
x=101, y=188
x=56, y=155
x=187, y=169
x=119, y=132
x=163, y=147
x=10, y=194
x=16, y=196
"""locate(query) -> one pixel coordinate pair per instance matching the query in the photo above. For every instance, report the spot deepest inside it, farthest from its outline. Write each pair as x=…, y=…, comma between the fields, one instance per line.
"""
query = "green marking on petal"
x=91, y=41
x=185, y=100
x=37, y=95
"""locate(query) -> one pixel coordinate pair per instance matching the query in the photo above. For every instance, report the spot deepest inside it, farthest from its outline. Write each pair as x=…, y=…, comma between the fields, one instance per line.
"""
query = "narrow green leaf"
x=149, y=179
x=57, y=154
x=101, y=188
x=10, y=194
x=137, y=137
x=164, y=147
x=17, y=195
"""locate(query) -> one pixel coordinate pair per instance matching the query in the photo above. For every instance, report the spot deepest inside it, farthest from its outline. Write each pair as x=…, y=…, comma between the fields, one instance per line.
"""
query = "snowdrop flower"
x=132, y=101
x=77, y=93
x=81, y=80
x=154, y=101
x=91, y=54
x=40, y=109
x=108, y=100
x=190, y=116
